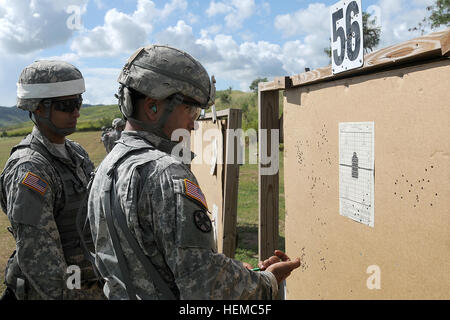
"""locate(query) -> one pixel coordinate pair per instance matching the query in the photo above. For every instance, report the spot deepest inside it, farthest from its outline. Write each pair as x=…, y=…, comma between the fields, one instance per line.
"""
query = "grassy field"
x=247, y=220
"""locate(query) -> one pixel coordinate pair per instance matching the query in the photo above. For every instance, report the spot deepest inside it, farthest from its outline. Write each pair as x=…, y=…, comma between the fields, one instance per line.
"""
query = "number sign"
x=346, y=36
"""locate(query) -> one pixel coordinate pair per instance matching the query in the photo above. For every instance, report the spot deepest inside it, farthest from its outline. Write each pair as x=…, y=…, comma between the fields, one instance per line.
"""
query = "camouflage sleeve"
x=185, y=233
x=30, y=204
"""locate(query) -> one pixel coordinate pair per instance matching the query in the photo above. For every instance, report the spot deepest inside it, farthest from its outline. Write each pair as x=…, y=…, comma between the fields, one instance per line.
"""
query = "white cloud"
x=68, y=57
x=314, y=19
x=242, y=62
x=11, y=65
x=237, y=11
x=123, y=33
x=101, y=85
x=28, y=26
x=216, y=8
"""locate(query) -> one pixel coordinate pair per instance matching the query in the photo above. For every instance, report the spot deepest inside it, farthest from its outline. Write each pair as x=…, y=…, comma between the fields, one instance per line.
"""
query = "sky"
x=236, y=40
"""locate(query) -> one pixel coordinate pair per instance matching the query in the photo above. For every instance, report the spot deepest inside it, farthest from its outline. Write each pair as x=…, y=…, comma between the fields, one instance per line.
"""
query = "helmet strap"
x=46, y=120
x=176, y=100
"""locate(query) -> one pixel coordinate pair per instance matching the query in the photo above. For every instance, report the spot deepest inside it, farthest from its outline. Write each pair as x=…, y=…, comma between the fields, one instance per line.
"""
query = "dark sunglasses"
x=67, y=105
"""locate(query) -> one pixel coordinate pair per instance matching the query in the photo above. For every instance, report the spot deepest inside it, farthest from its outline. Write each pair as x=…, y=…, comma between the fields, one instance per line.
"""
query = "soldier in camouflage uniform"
x=109, y=138
x=43, y=184
x=148, y=216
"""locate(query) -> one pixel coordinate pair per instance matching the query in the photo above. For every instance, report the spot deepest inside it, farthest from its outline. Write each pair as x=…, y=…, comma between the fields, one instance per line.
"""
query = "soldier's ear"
x=150, y=109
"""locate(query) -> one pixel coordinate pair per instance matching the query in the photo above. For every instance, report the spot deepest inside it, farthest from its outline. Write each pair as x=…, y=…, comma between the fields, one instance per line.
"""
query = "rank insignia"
x=34, y=182
x=202, y=221
x=193, y=191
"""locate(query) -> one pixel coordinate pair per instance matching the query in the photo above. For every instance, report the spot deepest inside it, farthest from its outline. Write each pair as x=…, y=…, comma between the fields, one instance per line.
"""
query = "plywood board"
x=202, y=144
x=406, y=253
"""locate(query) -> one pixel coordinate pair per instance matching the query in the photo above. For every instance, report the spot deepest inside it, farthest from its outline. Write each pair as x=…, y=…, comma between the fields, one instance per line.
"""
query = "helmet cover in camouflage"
x=47, y=79
x=118, y=123
x=161, y=71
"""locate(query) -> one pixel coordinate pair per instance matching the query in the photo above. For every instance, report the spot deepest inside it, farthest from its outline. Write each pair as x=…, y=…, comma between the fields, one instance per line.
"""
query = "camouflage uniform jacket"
x=32, y=207
x=151, y=187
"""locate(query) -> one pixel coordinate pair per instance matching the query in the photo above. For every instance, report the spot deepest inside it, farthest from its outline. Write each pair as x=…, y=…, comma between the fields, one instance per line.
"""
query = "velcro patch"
x=34, y=182
x=193, y=191
x=202, y=221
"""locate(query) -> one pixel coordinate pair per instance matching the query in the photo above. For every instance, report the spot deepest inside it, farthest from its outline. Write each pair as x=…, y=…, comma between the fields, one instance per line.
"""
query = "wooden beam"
x=231, y=184
x=268, y=105
x=430, y=46
x=278, y=83
x=220, y=114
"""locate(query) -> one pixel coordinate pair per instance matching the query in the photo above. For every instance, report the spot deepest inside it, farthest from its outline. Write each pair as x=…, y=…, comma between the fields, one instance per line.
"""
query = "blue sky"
x=236, y=40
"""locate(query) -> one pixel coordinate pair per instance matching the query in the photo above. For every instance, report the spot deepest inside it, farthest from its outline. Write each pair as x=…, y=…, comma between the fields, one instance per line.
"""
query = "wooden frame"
x=230, y=183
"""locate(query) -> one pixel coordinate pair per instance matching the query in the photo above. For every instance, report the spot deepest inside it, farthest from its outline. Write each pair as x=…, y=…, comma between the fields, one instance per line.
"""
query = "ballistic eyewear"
x=67, y=105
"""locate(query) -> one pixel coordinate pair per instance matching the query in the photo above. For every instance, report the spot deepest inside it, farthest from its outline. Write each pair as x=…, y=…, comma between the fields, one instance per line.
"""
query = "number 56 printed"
x=346, y=36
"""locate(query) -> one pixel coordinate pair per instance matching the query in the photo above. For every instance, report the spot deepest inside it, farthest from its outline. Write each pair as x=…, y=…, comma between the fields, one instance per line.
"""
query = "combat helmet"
x=118, y=123
x=46, y=79
x=162, y=72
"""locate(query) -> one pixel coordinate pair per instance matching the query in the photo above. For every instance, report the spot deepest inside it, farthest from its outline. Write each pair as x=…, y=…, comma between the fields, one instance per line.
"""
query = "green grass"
x=247, y=219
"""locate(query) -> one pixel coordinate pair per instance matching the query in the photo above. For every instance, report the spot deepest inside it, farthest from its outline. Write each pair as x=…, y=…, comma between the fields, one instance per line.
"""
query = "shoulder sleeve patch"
x=193, y=191
x=35, y=183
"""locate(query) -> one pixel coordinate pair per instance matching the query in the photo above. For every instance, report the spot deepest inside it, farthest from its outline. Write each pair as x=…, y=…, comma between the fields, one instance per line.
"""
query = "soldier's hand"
x=282, y=270
x=247, y=265
x=278, y=257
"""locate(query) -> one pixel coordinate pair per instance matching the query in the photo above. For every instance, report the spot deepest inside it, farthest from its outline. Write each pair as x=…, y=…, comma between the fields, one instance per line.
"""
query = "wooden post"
x=268, y=102
x=269, y=189
x=231, y=184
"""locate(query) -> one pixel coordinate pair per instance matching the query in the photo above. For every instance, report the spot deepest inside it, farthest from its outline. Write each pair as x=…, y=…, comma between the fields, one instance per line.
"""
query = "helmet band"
x=50, y=90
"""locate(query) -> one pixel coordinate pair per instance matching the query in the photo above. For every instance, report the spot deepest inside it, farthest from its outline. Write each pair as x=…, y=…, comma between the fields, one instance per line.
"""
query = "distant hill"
x=12, y=116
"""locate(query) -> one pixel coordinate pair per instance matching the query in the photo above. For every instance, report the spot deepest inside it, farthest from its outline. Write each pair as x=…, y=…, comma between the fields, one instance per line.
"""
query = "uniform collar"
x=75, y=159
x=158, y=142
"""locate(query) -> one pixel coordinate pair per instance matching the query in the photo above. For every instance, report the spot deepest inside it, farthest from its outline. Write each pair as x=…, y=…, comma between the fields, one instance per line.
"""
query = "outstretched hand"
x=280, y=265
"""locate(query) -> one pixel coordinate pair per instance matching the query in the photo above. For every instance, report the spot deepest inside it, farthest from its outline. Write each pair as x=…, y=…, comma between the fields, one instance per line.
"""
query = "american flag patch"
x=32, y=181
x=193, y=191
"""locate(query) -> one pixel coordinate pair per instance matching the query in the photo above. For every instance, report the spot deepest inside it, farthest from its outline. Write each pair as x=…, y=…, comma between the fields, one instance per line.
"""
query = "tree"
x=440, y=15
x=225, y=96
x=371, y=35
x=254, y=85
